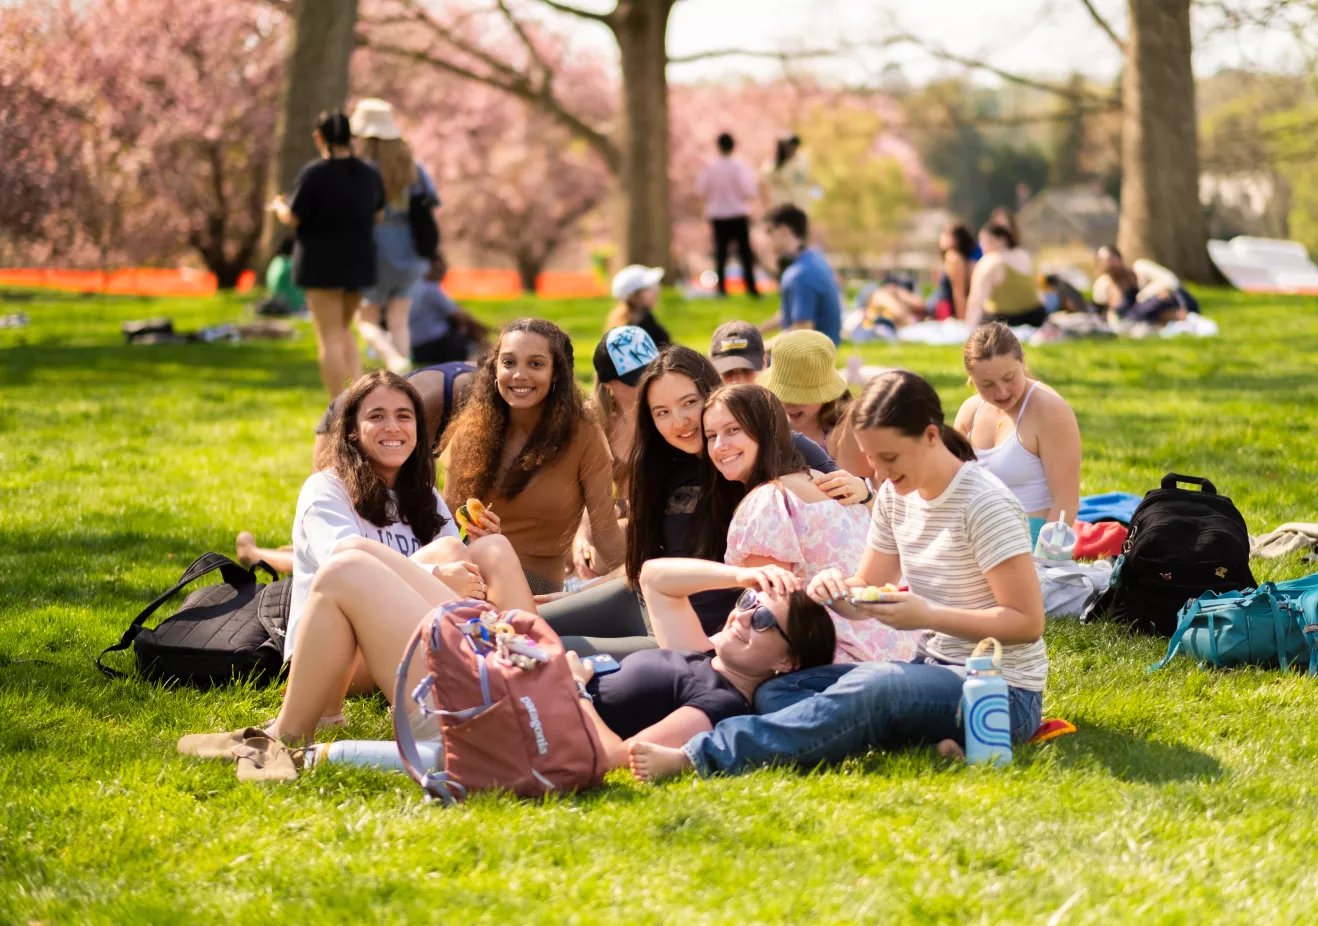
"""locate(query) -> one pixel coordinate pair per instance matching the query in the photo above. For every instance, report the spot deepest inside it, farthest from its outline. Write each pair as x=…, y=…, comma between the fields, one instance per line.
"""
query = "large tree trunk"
x=315, y=79
x=1161, y=217
x=641, y=28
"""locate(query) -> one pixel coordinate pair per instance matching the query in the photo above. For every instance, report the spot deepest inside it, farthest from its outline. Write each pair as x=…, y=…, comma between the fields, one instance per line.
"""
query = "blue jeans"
x=832, y=712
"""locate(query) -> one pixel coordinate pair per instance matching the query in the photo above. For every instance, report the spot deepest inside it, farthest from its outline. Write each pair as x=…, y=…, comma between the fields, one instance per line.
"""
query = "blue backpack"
x=1274, y=626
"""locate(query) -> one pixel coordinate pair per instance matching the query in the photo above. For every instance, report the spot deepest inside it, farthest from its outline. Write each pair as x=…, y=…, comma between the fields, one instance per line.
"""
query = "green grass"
x=1186, y=797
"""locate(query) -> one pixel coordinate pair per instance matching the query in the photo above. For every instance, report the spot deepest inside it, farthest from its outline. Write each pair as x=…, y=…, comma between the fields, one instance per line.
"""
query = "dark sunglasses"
x=762, y=619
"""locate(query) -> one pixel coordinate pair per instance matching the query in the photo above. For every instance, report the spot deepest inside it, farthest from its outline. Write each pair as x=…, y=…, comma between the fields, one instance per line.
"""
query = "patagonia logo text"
x=541, y=744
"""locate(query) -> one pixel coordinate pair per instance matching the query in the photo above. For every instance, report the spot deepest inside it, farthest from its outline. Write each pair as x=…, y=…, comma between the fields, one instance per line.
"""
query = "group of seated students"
x=992, y=278
x=720, y=572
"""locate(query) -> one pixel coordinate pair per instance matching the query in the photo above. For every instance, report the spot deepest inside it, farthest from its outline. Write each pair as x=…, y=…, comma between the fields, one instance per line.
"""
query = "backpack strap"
x=231, y=572
x=1308, y=623
x=1188, y=614
x=435, y=784
x=1171, y=479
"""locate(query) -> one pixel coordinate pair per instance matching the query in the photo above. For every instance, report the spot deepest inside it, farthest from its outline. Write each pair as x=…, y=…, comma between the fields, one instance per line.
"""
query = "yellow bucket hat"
x=803, y=369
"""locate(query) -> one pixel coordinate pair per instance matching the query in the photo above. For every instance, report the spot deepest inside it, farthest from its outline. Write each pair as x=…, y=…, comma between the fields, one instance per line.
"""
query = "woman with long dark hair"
x=335, y=204
x=376, y=481
x=525, y=445
x=901, y=307
x=960, y=539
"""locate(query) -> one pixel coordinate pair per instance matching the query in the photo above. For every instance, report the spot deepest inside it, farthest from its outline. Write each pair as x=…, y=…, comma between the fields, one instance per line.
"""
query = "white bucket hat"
x=374, y=118
x=632, y=279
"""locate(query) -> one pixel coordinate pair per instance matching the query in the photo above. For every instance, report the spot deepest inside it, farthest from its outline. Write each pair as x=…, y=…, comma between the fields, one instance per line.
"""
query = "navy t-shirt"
x=653, y=683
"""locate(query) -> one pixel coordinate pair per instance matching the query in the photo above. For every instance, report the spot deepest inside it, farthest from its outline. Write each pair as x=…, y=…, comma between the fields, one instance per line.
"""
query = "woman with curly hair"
x=525, y=446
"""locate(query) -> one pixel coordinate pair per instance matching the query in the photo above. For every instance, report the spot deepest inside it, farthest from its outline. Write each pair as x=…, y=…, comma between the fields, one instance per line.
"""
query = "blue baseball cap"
x=623, y=354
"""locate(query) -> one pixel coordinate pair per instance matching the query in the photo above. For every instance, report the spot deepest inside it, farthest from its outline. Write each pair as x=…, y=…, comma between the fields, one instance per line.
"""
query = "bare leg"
x=650, y=762
x=281, y=560
x=352, y=354
x=398, y=310
x=506, y=585
x=326, y=307
x=356, y=604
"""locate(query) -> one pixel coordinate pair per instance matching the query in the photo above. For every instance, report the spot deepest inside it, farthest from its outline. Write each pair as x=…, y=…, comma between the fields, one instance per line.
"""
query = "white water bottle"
x=985, y=708
x=1056, y=541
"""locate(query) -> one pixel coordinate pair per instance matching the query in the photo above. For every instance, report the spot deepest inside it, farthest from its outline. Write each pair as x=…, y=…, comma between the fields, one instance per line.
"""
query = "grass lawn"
x=1186, y=797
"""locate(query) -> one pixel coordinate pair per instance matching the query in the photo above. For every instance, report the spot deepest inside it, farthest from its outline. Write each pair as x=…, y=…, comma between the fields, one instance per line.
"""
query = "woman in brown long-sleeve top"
x=525, y=445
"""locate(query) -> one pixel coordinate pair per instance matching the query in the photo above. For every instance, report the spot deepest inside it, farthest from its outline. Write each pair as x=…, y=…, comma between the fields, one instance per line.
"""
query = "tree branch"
x=606, y=18
x=511, y=82
x=547, y=75
x=943, y=54
x=1103, y=24
x=753, y=53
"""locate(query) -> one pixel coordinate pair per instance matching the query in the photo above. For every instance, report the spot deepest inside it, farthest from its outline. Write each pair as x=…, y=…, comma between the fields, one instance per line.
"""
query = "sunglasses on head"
x=762, y=619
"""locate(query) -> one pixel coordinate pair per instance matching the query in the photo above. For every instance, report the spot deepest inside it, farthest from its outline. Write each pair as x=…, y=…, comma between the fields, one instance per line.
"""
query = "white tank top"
x=1019, y=470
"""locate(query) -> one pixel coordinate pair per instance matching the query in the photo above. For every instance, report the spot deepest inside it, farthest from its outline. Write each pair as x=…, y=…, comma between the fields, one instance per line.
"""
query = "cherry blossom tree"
x=133, y=151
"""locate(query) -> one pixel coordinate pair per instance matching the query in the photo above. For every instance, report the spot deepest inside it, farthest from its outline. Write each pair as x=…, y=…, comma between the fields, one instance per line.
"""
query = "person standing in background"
x=787, y=177
x=399, y=263
x=728, y=187
x=336, y=201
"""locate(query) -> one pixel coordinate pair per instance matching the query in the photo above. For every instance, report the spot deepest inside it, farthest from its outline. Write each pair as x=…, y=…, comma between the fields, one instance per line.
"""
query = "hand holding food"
x=872, y=592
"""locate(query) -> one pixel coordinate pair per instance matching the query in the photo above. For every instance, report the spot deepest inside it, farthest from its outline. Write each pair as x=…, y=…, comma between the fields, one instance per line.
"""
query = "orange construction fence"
x=462, y=283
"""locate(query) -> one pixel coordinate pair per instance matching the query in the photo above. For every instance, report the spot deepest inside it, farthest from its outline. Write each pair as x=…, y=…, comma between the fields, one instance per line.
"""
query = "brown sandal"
x=216, y=745
x=263, y=758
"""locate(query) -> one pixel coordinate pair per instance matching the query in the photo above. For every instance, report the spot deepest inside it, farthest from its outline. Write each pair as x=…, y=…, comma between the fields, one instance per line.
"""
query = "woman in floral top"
x=759, y=485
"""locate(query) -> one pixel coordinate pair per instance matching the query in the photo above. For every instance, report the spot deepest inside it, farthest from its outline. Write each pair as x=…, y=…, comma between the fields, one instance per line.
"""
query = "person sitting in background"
x=737, y=351
x=902, y=307
x=804, y=377
x=283, y=295
x=809, y=297
x=1036, y=457
x=728, y=187
x=441, y=332
x=1002, y=284
x=441, y=388
x=1143, y=292
x=525, y=445
x=637, y=290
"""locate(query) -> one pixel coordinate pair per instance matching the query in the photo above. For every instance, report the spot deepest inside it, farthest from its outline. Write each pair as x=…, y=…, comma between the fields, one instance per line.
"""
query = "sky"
x=1039, y=37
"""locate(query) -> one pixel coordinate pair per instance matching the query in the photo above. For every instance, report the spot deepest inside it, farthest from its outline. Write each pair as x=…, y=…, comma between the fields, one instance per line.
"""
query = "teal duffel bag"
x=1274, y=626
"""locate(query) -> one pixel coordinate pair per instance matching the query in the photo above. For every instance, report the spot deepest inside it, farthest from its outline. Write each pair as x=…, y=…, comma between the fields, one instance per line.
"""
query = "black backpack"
x=421, y=219
x=1182, y=543
x=223, y=632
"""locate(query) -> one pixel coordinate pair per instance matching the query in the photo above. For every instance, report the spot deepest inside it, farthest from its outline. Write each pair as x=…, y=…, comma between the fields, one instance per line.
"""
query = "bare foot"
x=246, y=549
x=650, y=762
x=951, y=750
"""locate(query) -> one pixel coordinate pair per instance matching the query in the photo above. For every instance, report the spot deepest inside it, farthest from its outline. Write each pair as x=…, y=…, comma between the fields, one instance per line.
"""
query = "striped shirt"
x=946, y=544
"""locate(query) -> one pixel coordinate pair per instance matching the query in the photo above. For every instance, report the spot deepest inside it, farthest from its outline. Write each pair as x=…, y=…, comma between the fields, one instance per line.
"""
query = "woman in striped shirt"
x=960, y=538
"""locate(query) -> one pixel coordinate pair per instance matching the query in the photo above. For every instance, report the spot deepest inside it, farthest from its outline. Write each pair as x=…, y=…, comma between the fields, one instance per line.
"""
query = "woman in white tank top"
x=1022, y=431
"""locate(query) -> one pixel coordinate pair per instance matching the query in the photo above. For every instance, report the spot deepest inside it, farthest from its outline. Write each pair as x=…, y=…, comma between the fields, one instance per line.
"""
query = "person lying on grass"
x=369, y=599
x=960, y=538
x=666, y=696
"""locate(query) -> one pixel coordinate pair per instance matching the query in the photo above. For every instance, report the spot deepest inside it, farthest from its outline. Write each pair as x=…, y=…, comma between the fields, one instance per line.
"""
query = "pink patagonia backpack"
x=508, y=706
